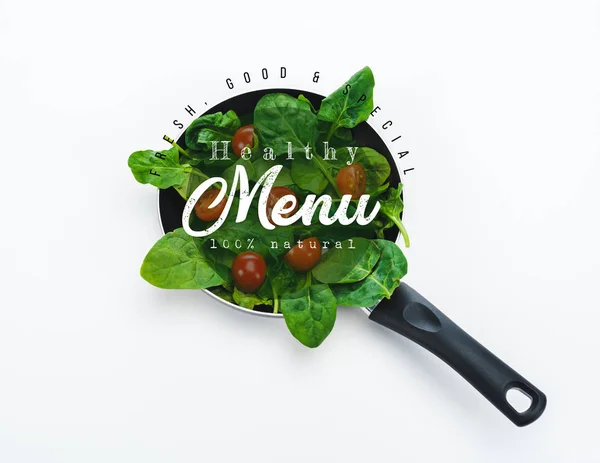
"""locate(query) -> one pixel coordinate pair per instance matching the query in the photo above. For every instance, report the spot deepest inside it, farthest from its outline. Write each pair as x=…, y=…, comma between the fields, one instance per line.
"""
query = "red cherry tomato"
x=244, y=136
x=352, y=180
x=278, y=192
x=249, y=270
x=304, y=256
x=202, y=207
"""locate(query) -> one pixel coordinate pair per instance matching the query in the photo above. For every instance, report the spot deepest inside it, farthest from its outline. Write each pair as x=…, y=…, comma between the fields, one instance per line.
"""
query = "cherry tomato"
x=352, y=180
x=202, y=207
x=303, y=257
x=243, y=137
x=277, y=192
x=249, y=270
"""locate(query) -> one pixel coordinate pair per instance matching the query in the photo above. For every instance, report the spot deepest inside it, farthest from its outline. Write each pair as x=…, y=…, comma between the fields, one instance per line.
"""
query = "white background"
x=499, y=105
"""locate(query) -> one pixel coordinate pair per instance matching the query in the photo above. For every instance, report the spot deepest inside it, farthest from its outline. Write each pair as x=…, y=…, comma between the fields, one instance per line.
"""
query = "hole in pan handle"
x=413, y=316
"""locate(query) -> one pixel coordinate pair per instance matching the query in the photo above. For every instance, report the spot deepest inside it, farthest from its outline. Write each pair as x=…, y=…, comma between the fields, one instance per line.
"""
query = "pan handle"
x=413, y=316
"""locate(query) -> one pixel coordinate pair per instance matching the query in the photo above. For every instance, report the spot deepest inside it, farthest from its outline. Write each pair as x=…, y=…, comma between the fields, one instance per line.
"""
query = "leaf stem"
x=326, y=173
x=180, y=149
x=275, y=304
x=332, y=130
x=403, y=231
x=199, y=173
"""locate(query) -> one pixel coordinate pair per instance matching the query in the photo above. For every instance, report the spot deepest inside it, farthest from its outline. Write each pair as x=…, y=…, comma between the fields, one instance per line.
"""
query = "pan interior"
x=171, y=204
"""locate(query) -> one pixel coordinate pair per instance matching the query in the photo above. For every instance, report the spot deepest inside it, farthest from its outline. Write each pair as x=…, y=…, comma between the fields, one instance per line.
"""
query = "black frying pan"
x=406, y=312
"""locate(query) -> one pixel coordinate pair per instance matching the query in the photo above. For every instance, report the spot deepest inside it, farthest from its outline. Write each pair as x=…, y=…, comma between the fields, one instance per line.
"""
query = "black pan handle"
x=413, y=316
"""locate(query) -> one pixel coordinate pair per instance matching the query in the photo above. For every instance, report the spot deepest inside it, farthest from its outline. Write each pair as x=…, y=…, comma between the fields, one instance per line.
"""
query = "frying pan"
x=406, y=312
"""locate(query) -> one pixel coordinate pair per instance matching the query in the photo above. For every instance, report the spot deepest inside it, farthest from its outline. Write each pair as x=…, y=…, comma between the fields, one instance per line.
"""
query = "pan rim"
x=279, y=315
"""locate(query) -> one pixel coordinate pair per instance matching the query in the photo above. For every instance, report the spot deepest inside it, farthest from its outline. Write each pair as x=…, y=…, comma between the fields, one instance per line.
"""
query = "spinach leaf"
x=218, y=255
x=306, y=100
x=379, y=190
x=192, y=157
x=251, y=232
x=382, y=282
x=308, y=175
x=208, y=128
x=159, y=168
x=391, y=207
x=192, y=179
x=229, y=173
x=377, y=168
x=177, y=261
x=221, y=259
x=350, y=104
x=336, y=231
x=222, y=293
x=340, y=137
x=282, y=279
x=280, y=118
x=310, y=314
x=261, y=165
x=249, y=301
x=314, y=175
x=348, y=265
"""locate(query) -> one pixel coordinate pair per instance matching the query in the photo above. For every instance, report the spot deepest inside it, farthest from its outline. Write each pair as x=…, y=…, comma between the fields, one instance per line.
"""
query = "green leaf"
x=252, y=229
x=249, y=301
x=382, y=282
x=377, y=168
x=315, y=174
x=391, y=207
x=379, y=190
x=306, y=100
x=280, y=279
x=310, y=314
x=211, y=127
x=341, y=136
x=177, y=261
x=192, y=179
x=306, y=174
x=222, y=293
x=280, y=118
x=347, y=265
x=261, y=165
x=336, y=231
x=350, y=104
x=159, y=168
x=283, y=279
x=221, y=259
x=229, y=173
